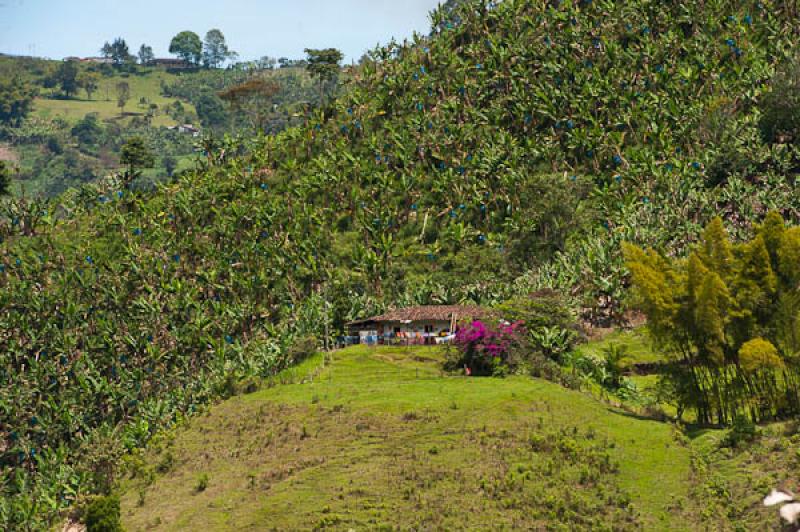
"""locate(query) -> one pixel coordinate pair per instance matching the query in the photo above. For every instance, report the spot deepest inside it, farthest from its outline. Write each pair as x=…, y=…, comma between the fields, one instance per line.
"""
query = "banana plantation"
x=513, y=148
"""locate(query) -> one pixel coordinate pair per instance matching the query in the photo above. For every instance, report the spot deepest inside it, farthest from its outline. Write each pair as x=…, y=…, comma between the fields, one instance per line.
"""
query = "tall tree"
x=324, y=64
x=187, y=46
x=5, y=178
x=89, y=81
x=106, y=50
x=119, y=52
x=215, y=49
x=729, y=318
x=67, y=78
x=210, y=110
x=135, y=154
x=252, y=99
x=88, y=131
x=146, y=55
x=123, y=95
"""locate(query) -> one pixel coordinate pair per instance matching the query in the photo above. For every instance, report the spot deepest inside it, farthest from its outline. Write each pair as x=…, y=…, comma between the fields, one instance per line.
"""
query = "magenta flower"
x=479, y=340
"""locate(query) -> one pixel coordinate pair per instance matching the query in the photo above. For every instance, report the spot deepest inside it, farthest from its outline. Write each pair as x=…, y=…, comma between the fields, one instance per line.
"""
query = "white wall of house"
x=435, y=327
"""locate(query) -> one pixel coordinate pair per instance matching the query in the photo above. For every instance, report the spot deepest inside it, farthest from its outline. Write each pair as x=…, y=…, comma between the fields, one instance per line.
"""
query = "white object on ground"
x=791, y=512
x=777, y=497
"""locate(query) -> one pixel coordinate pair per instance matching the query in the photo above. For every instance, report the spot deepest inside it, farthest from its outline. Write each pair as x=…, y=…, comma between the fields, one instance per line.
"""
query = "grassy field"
x=104, y=101
x=380, y=438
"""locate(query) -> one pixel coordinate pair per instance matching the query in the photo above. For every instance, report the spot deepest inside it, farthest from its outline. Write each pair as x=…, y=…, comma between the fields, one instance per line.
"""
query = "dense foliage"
x=730, y=314
x=249, y=100
x=64, y=150
x=511, y=150
x=16, y=100
x=102, y=515
x=188, y=46
x=103, y=361
x=5, y=177
x=56, y=155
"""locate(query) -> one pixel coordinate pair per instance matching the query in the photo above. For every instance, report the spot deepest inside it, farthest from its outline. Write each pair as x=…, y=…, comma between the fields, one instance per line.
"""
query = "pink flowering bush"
x=487, y=350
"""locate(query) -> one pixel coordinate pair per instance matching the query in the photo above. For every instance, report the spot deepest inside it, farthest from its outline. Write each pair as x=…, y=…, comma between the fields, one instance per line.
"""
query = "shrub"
x=55, y=146
x=606, y=370
x=102, y=515
x=166, y=462
x=202, y=483
x=551, y=325
x=498, y=368
x=487, y=350
x=614, y=357
x=743, y=431
x=544, y=308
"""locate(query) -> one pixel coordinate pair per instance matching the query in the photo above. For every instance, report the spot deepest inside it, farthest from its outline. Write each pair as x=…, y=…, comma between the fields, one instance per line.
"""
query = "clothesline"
x=408, y=338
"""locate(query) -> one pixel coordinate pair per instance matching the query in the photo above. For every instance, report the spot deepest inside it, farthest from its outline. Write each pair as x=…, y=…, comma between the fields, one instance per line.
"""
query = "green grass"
x=104, y=101
x=735, y=480
x=381, y=437
x=636, y=343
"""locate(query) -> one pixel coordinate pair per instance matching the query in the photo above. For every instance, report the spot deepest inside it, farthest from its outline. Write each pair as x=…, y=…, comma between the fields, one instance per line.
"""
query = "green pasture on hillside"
x=104, y=101
x=381, y=438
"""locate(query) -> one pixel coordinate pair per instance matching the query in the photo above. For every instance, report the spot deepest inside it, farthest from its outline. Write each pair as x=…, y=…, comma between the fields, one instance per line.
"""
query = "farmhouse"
x=427, y=324
x=185, y=128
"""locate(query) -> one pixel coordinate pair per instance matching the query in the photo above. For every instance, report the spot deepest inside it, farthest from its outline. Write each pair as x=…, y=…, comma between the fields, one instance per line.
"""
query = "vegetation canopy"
x=730, y=314
x=512, y=149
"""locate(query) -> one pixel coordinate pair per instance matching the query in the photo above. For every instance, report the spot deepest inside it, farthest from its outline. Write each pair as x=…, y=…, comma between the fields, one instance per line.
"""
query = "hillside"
x=104, y=102
x=379, y=439
x=69, y=140
x=510, y=151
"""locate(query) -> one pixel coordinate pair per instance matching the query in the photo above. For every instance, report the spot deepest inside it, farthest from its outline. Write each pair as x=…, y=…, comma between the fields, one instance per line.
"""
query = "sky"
x=253, y=28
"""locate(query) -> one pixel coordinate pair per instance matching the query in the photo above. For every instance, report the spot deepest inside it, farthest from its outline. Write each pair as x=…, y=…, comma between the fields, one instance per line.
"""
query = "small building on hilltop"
x=426, y=324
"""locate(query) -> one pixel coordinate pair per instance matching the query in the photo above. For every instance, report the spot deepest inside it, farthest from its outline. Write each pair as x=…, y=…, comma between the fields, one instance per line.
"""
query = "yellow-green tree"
x=729, y=315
